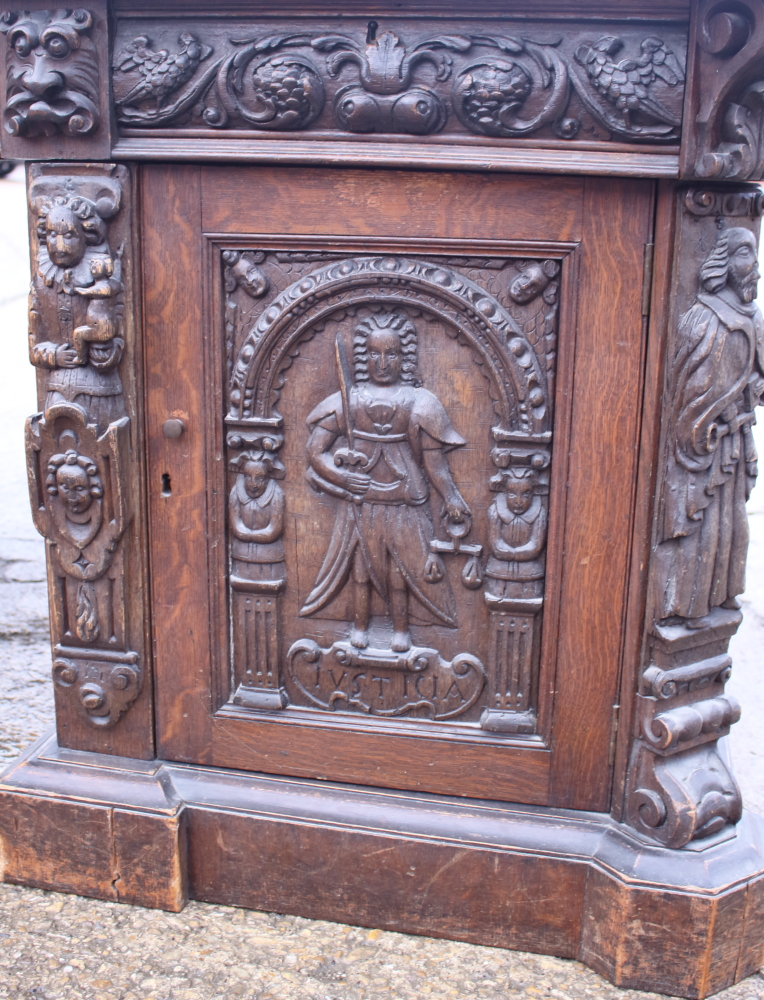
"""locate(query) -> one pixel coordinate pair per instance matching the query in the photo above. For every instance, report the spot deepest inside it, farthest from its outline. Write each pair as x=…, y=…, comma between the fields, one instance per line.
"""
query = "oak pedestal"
x=397, y=373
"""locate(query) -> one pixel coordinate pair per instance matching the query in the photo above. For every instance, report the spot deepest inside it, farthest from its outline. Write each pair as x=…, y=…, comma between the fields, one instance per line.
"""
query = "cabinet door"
x=391, y=544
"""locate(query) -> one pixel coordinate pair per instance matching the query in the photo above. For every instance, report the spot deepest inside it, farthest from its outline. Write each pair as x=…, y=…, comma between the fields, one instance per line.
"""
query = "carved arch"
x=519, y=383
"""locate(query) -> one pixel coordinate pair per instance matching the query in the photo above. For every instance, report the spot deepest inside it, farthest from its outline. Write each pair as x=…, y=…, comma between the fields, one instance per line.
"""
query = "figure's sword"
x=346, y=382
x=346, y=456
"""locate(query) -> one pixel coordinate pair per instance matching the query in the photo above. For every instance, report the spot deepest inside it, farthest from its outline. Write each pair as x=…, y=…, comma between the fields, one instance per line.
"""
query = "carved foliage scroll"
x=682, y=790
x=366, y=627
x=724, y=136
x=626, y=88
x=78, y=446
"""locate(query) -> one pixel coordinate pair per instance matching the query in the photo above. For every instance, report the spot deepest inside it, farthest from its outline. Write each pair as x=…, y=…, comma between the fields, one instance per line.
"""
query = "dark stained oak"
x=394, y=438
x=381, y=204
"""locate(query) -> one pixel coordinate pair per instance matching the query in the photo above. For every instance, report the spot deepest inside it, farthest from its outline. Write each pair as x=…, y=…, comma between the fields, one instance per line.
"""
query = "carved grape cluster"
x=488, y=92
x=291, y=90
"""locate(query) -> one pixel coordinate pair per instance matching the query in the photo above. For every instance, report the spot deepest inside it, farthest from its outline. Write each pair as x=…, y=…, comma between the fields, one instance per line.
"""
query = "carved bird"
x=625, y=84
x=162, y=72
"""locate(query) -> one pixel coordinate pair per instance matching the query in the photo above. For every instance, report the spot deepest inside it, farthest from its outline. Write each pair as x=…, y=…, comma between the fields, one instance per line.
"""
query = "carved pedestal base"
x=576, y=885
x=515, y=632
x=682, y=790
x=255, y=609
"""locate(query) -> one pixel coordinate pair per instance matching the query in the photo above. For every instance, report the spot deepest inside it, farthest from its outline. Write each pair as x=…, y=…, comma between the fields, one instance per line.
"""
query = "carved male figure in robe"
x=380, y=445
x=256, y=518
x=517, y=526
x=718, y=381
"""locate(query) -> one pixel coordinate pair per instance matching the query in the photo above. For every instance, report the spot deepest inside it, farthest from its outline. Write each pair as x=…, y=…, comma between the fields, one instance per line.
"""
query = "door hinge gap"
x=647, y=277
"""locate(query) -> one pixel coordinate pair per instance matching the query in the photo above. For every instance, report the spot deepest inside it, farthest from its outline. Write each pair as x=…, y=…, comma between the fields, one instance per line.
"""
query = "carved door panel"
x=397, y=398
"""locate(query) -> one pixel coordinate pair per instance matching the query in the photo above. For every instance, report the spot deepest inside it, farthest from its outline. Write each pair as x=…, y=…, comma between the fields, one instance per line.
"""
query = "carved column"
x=514, y=591
x=681, y=790
x=83, y=451
x=258, y=570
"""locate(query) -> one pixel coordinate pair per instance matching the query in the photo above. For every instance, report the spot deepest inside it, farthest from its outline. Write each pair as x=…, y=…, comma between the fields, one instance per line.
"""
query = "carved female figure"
x=517, y=528
x=718, y=382
x=73, y=259
x=379, y=445
x=256, y=518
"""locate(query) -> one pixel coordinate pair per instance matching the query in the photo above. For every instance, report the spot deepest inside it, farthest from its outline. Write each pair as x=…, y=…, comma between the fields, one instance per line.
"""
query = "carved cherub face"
x=743, y=274
x=101, y=267
x=73, y=485
x=64, y=236
x=529, y=283
x=249, y=277
x=519, y=493
x=534, y=279
x=255, y=479
x=385, y=357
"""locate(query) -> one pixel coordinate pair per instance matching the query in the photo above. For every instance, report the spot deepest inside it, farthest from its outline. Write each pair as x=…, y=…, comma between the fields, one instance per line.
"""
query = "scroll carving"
x=494, y=85
x=740, y=153
x=78, y=447
x=724, y=136
x=401, y=549
x=104, y=686
x=682, y=789
x=52, y=73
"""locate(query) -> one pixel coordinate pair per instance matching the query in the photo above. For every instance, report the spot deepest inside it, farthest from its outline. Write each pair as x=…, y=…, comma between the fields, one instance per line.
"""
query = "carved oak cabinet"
x=397, y=365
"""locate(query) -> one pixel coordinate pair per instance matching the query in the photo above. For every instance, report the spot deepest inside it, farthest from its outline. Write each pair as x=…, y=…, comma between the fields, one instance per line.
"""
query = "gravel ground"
x=57, y=947
x=68, y=948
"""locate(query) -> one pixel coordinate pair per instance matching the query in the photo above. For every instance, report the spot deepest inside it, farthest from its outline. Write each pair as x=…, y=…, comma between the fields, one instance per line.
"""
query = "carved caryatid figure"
x=379, y=445
x=718, y=381
x=517, y=526
x=256, y=517
x=79, y=506
x=74, y=312
x=75, y=489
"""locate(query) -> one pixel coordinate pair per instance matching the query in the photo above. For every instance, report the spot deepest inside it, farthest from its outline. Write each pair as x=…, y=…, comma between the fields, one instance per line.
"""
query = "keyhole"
x=166, y=485
x=371, y=32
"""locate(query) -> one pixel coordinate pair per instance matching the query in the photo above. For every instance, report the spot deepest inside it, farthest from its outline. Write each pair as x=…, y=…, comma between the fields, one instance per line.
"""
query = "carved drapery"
x=681, y=789
x=81, y=475
x=403, y=549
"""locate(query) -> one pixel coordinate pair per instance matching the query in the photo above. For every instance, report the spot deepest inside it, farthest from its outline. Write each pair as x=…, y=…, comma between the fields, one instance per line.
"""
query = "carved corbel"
x=724, y=114
x=681, y=791
x=104, y=684
x=54, y=84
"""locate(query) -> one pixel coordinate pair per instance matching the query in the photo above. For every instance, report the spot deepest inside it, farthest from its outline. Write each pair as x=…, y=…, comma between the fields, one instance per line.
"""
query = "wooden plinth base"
x=564, y=883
